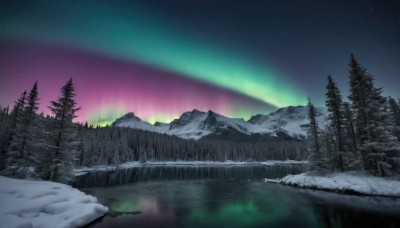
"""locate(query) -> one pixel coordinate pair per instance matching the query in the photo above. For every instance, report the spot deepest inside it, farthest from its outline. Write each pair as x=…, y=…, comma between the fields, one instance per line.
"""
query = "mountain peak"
x=196, y=111
x=211, y=112
x=132, y=121
x=186, y=118
x=159, y=124
x=128, y=115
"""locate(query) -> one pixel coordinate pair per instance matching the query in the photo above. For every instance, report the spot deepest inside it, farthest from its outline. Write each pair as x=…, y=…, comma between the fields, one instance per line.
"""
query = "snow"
x=161, y=127
x=285, y=162
x=138, y=125
x=344, y=182
x=292, y=120
x=194, y=125
x=132, y=121
x=27, y=203
x=189, y=125
x=127, y=165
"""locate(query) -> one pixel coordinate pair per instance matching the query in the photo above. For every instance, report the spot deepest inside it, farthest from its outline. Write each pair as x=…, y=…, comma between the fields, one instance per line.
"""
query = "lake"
x=229, y=196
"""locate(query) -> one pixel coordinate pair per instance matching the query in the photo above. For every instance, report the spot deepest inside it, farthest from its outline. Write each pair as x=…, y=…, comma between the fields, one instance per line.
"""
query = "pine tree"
x=29, y=133
x=334, y=104
x=354, y=159
x=386, y=148
x=11, y=140
x=14, y=118
x=2, y=115
x=18, y=109
x=370, y=112
x=394, y=110
x=41, y=146
x=316, y=160
x=360, y=88
x=4, y=131
x=64, y=109
x=349, y=126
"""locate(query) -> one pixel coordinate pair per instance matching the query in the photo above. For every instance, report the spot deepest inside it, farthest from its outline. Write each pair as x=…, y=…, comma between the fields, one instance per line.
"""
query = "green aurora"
x=124, y=35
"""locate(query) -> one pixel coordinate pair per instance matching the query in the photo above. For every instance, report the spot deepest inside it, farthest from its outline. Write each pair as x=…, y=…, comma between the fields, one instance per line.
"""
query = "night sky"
x=161, y=58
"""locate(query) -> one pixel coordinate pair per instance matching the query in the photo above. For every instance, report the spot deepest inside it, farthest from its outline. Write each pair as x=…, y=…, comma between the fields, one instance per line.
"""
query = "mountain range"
x=289, y=123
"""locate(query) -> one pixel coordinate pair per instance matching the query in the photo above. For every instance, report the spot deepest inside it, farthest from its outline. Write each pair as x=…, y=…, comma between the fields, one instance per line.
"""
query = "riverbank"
x=128, y=165
x=28, y=203
x=350, y=182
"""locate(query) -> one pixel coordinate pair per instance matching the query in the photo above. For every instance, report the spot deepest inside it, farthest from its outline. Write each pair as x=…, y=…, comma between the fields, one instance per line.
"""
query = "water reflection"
x=203, y=203
x=239, y=203
x=354, y=210
x=239, y=214
x=125, y=176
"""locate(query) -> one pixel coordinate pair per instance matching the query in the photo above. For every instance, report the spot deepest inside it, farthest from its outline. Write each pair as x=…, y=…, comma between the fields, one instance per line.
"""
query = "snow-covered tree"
x=29, y=135
x=64, y=109
x=4, y=133
x=10, y=126
x=3, y=115
x=42, y=147
x=349, y=126
x=334, y=104
x=394, y=115
x=316, y=156
x=353, y=160
x=361, y=89
x=13, y=140
x=371, y=116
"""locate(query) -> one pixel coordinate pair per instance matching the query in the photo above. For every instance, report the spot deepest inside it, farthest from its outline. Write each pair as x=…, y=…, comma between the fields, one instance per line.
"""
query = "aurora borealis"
x=145, y=90
x=161, y=58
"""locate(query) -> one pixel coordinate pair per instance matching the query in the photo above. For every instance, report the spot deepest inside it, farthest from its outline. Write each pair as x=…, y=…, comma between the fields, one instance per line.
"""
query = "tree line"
x=363, y=133
x=115, y=145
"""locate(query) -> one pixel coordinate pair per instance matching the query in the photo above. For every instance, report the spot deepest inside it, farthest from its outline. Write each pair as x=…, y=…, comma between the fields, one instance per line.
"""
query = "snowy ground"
x=344, y=182
x=83, y=170
x=27, y=203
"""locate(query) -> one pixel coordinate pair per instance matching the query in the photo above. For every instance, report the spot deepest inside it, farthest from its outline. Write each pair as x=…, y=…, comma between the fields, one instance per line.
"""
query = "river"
x=229, y=196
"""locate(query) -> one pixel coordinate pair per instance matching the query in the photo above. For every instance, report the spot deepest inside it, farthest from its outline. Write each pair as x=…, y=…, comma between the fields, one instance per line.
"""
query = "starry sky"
x=160, y=58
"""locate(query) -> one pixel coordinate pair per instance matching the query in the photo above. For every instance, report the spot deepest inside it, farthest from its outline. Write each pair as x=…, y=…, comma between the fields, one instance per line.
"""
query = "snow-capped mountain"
x=286, y=123
x=132, y=121
x=197, y=124
x=291, y=120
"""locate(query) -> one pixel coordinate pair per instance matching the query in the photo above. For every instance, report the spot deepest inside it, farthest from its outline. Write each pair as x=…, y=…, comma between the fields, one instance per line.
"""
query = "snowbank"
x=225, y=163
x=127, y=165
x=26, y=203
x=345, y=182
x=286, y=162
